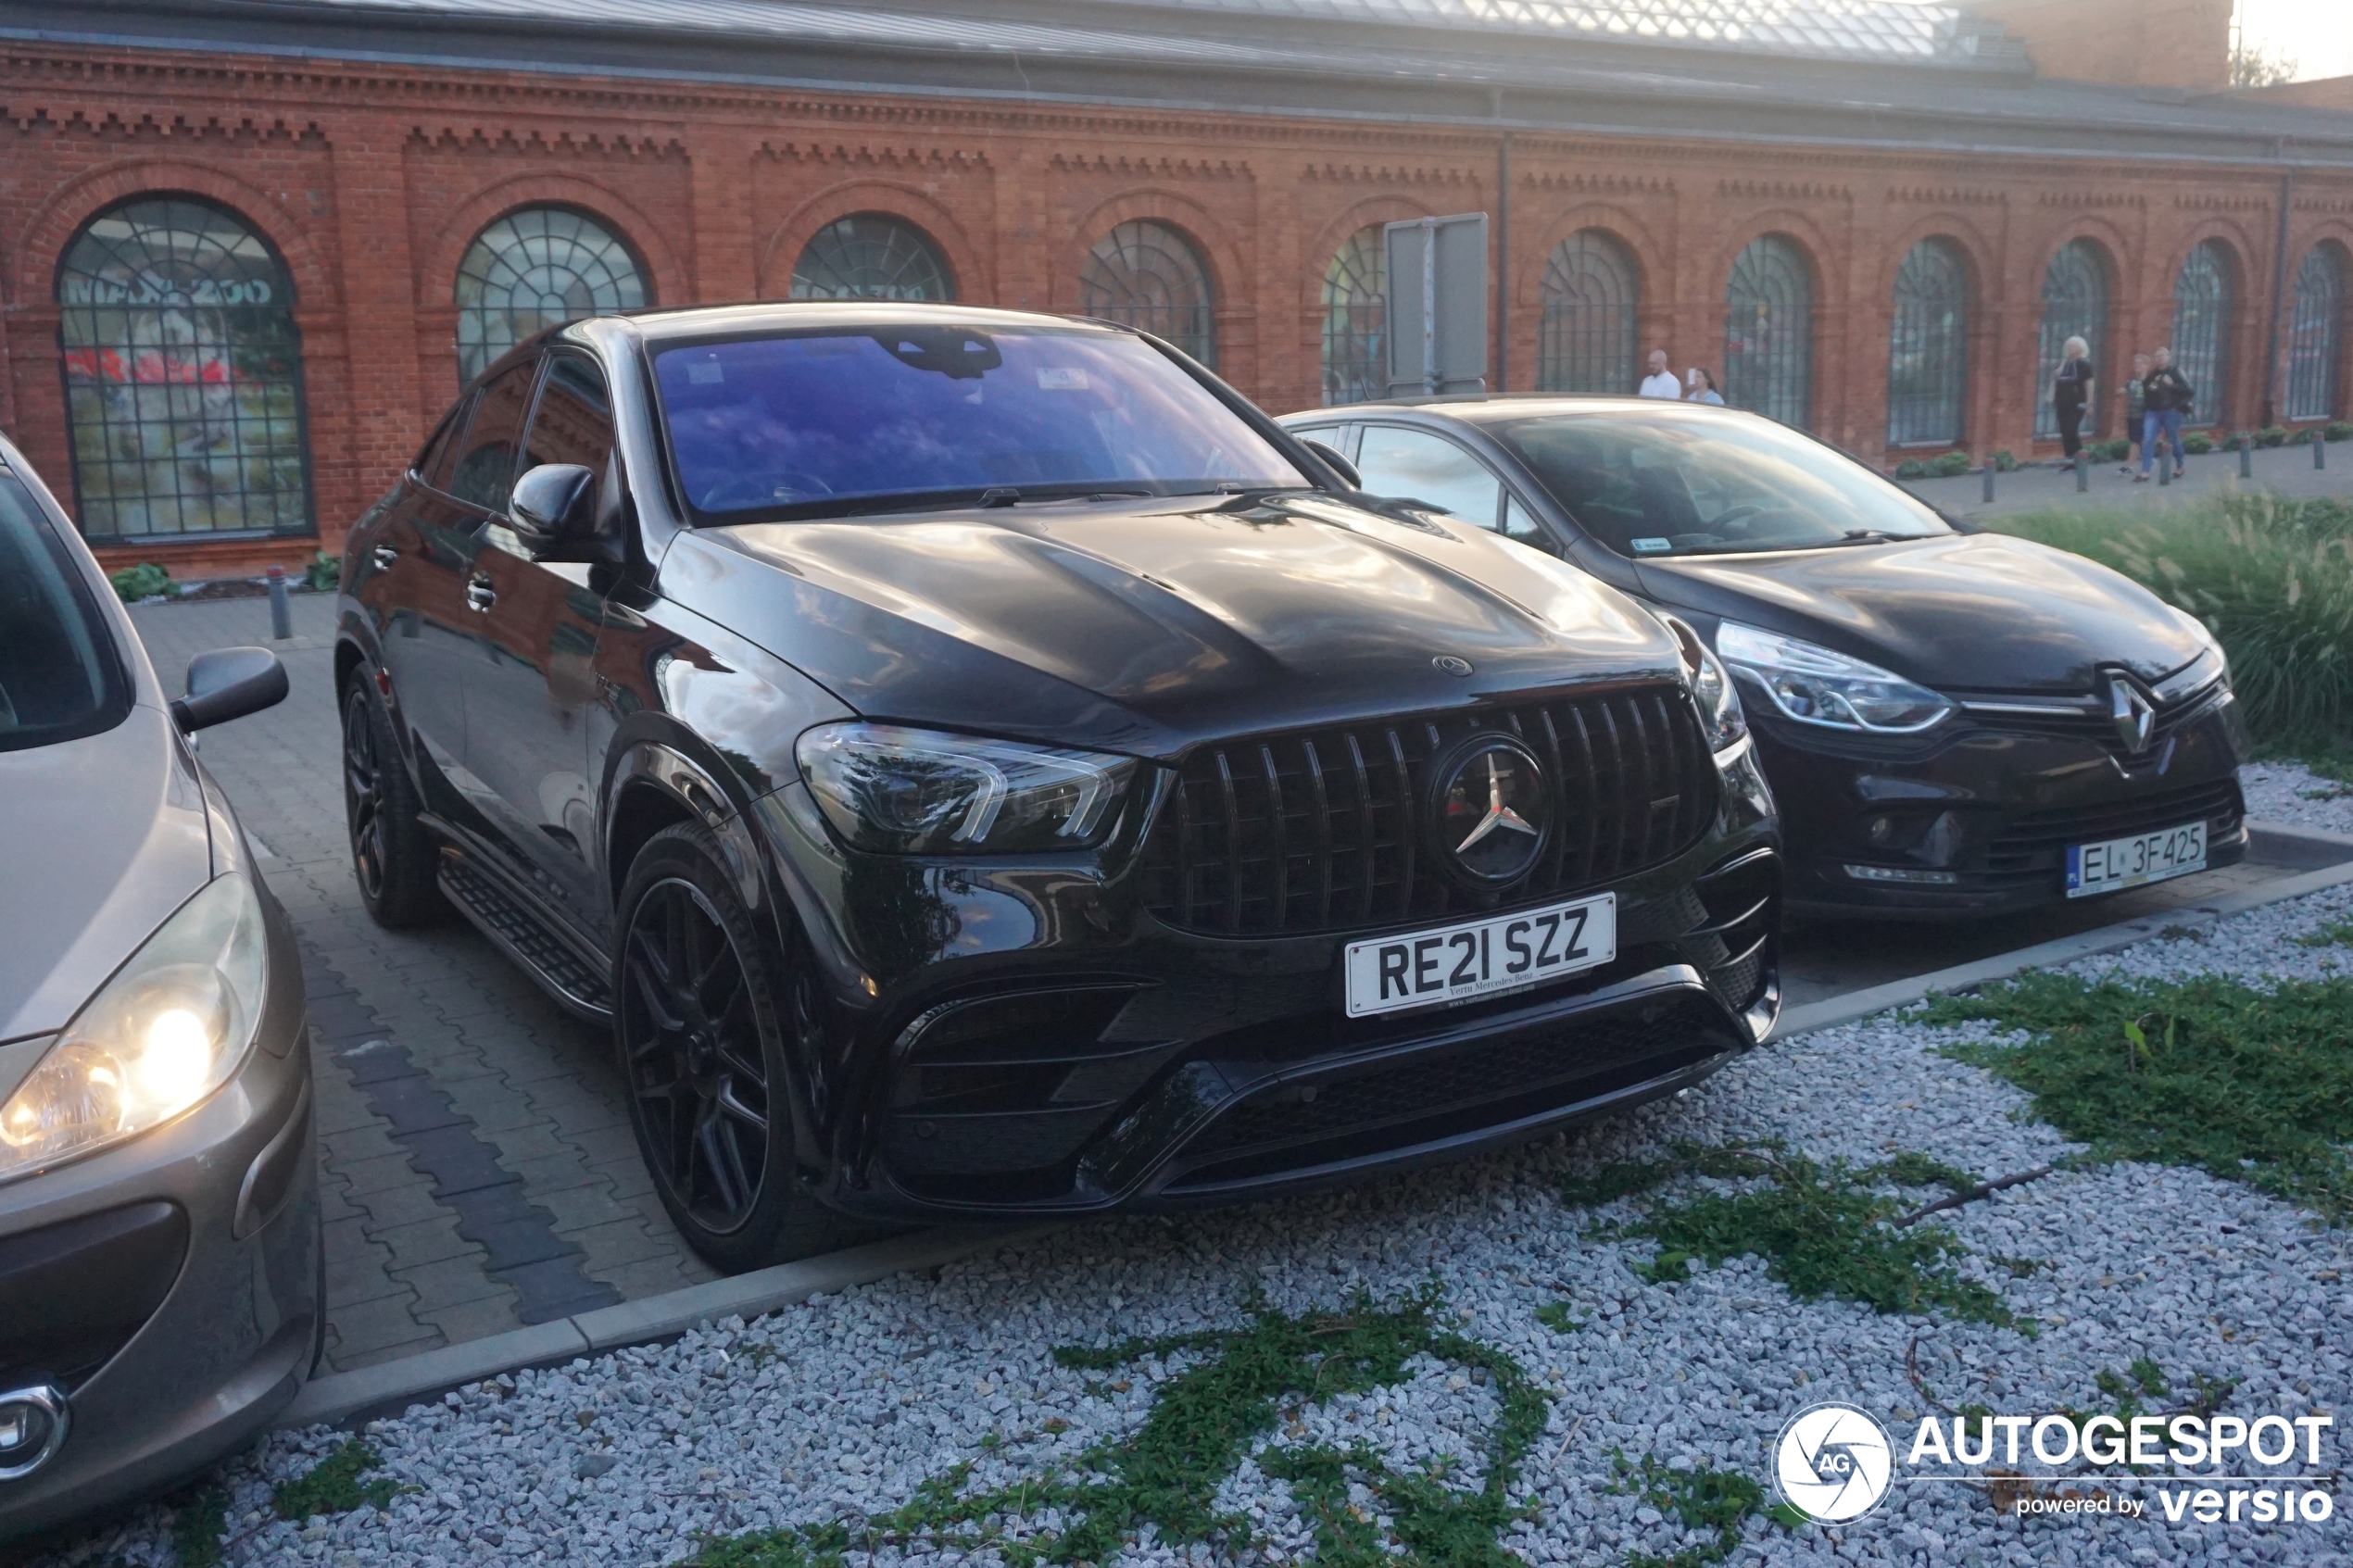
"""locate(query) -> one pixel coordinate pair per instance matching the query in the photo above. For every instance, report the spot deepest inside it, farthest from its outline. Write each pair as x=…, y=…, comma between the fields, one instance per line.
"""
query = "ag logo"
x=1832, y=1463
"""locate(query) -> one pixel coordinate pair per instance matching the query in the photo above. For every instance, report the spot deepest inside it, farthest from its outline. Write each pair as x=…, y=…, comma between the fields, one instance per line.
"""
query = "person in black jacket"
x=2074, y=391
x=2166, y=396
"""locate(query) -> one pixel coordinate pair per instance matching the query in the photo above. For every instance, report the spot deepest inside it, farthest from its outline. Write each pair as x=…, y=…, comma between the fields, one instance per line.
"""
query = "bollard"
x=281, y=627
x=2082, y=474
x=2246, y=455
x=2164, y=467
x=1988, y=471
x=2320, y=451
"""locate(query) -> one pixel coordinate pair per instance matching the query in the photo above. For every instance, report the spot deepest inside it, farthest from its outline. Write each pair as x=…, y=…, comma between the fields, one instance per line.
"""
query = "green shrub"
x=2110, y=451
x=2338, y=429
x=2197, y=444
x=2273, y=577
x=2003, y=462
x=324, y=574
x=1952, y=465
x=2271, y=435
x=147, y=582
x=1911, y=468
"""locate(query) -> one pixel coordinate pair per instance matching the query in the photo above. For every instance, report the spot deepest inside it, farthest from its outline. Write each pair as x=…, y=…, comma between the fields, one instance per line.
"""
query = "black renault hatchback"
x=978, y=765
x=1954, y=723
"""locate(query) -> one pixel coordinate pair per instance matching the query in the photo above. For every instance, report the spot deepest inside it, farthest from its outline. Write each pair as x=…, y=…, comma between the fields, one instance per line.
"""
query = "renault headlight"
x=923, y=792
x=1814, y=685
x=172, y=1026
x=1720, y=704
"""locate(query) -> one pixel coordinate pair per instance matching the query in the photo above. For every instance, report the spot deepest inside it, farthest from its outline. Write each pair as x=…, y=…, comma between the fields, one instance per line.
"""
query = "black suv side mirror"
x=229, y=684
x=553, y=508
x=1339, y=465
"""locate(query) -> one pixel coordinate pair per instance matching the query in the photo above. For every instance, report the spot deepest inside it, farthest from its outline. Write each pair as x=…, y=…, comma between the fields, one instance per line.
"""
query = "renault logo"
x=1492, y=810
x=2134, y=715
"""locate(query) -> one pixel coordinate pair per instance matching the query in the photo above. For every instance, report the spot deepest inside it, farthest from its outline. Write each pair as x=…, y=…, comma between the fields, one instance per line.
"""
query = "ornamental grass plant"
x=2271, y=577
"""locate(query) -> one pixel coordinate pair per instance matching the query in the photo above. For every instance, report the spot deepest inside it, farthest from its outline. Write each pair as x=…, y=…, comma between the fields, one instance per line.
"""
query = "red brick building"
x=249, y=247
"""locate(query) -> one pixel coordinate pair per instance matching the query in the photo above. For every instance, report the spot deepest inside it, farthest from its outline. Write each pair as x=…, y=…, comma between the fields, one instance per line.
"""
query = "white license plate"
x=1478, y=958
x=2135, y=862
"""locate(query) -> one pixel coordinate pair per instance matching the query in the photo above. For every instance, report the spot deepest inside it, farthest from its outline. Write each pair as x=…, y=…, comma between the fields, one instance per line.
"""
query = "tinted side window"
x=485, y=471
x=1519, y=525
x=433, y=464
x=60, y=675
x=1413, y=464
x=574, y=421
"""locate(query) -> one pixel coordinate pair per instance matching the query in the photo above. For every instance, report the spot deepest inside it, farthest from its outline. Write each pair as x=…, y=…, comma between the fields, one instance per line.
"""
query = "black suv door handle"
x=385, y=556
x=480, y=595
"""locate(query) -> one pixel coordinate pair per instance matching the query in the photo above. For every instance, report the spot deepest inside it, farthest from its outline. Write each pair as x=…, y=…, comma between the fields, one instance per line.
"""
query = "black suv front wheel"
x=392, y=855
x=703, y=998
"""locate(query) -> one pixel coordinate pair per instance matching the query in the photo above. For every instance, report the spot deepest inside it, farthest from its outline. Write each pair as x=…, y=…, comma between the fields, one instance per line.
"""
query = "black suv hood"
x=1976, y=612
x=1143, y=626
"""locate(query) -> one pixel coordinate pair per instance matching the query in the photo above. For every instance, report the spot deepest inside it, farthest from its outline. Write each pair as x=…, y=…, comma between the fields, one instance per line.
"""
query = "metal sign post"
x=1436, y=305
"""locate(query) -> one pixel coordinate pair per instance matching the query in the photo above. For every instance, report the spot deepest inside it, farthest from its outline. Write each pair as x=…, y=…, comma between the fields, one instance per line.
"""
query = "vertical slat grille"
x=1319, y=831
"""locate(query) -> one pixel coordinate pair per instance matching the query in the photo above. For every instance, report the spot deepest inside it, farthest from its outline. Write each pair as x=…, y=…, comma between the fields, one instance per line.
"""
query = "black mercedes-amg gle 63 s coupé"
x=977, y=765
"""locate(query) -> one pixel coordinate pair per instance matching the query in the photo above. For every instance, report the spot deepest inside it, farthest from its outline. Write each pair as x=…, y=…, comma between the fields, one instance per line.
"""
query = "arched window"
x=1585, y=341
x=1148, y=275
x=1928, y=347
x=1356, y=320
x=871, y=255
x=535, y=269
x=183, y=375
x=2204, y=296
x=2074, y=305
x=2316, y=335
x=1769, y=332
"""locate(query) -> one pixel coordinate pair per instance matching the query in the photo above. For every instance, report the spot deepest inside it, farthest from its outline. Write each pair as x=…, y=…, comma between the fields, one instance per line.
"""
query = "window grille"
x=1928, y=347
x=2074, y=305
x=2316, y=335
x=182, y=376
x=1147, y=275
x=2204, y=297
x=536, y=268
x=1357, y=321
x=1769, y=332
x=871, y=255
x=1585, y=340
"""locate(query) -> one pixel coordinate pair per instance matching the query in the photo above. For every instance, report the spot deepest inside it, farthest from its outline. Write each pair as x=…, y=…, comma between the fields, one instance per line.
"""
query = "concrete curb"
x=2284, y=846
x=345, y=1398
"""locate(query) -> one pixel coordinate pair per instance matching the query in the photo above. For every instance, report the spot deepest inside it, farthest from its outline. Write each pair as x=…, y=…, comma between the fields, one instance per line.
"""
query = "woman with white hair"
x=2073, y=390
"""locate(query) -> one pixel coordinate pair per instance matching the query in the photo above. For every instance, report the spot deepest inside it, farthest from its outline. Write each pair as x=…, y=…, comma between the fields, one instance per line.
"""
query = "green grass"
x=2271, y=577
x=332, y=1485
x=1823, y=1230
x=2253, y=1086
x=1203, y=1421
x=196, y=1525
x=1698, y=1499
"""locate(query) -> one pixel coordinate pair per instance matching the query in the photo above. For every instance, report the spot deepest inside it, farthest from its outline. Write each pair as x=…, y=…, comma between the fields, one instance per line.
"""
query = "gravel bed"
x=841, y=1407
x=2294, y=794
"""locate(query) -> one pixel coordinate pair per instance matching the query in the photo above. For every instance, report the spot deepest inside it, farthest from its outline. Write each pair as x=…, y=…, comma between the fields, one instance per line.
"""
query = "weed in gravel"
x=1556, y=1317
x=332, y=1485
x=1203, y=1421
x=196, y=1525
x=2337, y=936
x=1823, y=1230
x=1701, y=1500
x=2249, y=1085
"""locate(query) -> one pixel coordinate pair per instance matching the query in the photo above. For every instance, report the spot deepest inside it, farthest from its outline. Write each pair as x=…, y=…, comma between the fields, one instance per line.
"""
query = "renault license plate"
x=1480, y=958
x=2135, y=862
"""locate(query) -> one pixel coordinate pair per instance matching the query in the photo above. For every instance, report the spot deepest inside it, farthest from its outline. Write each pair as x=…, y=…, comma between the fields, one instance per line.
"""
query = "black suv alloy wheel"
x=392, y=856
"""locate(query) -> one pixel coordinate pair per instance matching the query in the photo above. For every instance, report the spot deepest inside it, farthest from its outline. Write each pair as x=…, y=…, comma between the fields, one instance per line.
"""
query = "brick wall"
x=2147, y=43
x=372, y=183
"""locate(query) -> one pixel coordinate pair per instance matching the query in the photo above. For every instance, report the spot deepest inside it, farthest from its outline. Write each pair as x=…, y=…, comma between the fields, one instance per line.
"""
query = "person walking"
x=1703, y=388
x=2133, y=408
x=1661, y=382
x=2074, y=392
x=2165, y=397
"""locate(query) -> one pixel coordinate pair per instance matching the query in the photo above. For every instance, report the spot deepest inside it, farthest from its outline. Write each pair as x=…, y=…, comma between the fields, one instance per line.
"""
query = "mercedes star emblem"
x=1491, y=813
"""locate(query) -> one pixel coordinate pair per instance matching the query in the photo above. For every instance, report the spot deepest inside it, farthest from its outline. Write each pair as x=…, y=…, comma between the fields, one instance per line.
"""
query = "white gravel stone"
x=841, y=1407
x=2292, y=794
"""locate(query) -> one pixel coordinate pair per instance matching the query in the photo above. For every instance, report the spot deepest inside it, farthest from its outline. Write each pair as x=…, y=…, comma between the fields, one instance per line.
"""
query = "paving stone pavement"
x=420, y=1252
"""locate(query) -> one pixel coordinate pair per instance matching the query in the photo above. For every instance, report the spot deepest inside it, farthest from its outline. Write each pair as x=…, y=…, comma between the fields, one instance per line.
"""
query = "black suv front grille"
x=1321, y=830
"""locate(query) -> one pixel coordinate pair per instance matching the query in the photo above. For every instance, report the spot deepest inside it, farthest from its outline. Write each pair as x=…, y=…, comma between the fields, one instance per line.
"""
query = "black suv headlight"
x=924, y=792
x=1719, y=703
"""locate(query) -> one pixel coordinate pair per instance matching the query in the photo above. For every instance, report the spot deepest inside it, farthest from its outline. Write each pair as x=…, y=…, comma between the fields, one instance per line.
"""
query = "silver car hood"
x=100, y=839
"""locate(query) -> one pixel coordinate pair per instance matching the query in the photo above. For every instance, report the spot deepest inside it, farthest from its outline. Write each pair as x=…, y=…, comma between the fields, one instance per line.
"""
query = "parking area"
x=478, y=1170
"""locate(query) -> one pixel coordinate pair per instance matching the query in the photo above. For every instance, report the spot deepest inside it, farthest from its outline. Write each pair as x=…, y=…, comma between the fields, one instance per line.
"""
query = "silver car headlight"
x=172, y=1026
x=1815, y=685
x=926, y=792
x=1719, y=703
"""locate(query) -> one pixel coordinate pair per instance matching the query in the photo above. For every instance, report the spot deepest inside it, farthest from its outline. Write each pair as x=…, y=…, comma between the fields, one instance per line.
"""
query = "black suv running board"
x=560, y=971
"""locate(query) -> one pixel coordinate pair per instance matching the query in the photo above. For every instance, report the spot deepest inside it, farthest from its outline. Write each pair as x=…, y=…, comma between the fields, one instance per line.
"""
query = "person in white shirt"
x=1661, y=382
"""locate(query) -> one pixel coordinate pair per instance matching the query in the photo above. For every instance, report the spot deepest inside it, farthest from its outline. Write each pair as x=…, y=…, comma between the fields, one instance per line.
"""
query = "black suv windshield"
x=835, y=423
x=1691, y=482
x=59, y=677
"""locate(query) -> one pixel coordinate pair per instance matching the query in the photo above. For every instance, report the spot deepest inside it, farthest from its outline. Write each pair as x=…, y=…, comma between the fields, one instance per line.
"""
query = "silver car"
x=160, y=1251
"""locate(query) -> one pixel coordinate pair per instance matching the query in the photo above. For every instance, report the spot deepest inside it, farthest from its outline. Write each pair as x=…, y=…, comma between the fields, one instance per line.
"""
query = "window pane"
x=2074, y=305
x=1402, y=463
x=1357, y=321
x=1586, y=340
x=870, y=255
x=486, y=468
x=183, y=375
x=536, y=268
x=1519, y=525
x=1927, y=349
x=573, y=421
x=2203, y=300
x=1146, y=275
x=1769, y=332
x=60, y=676
x=2316, y=335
